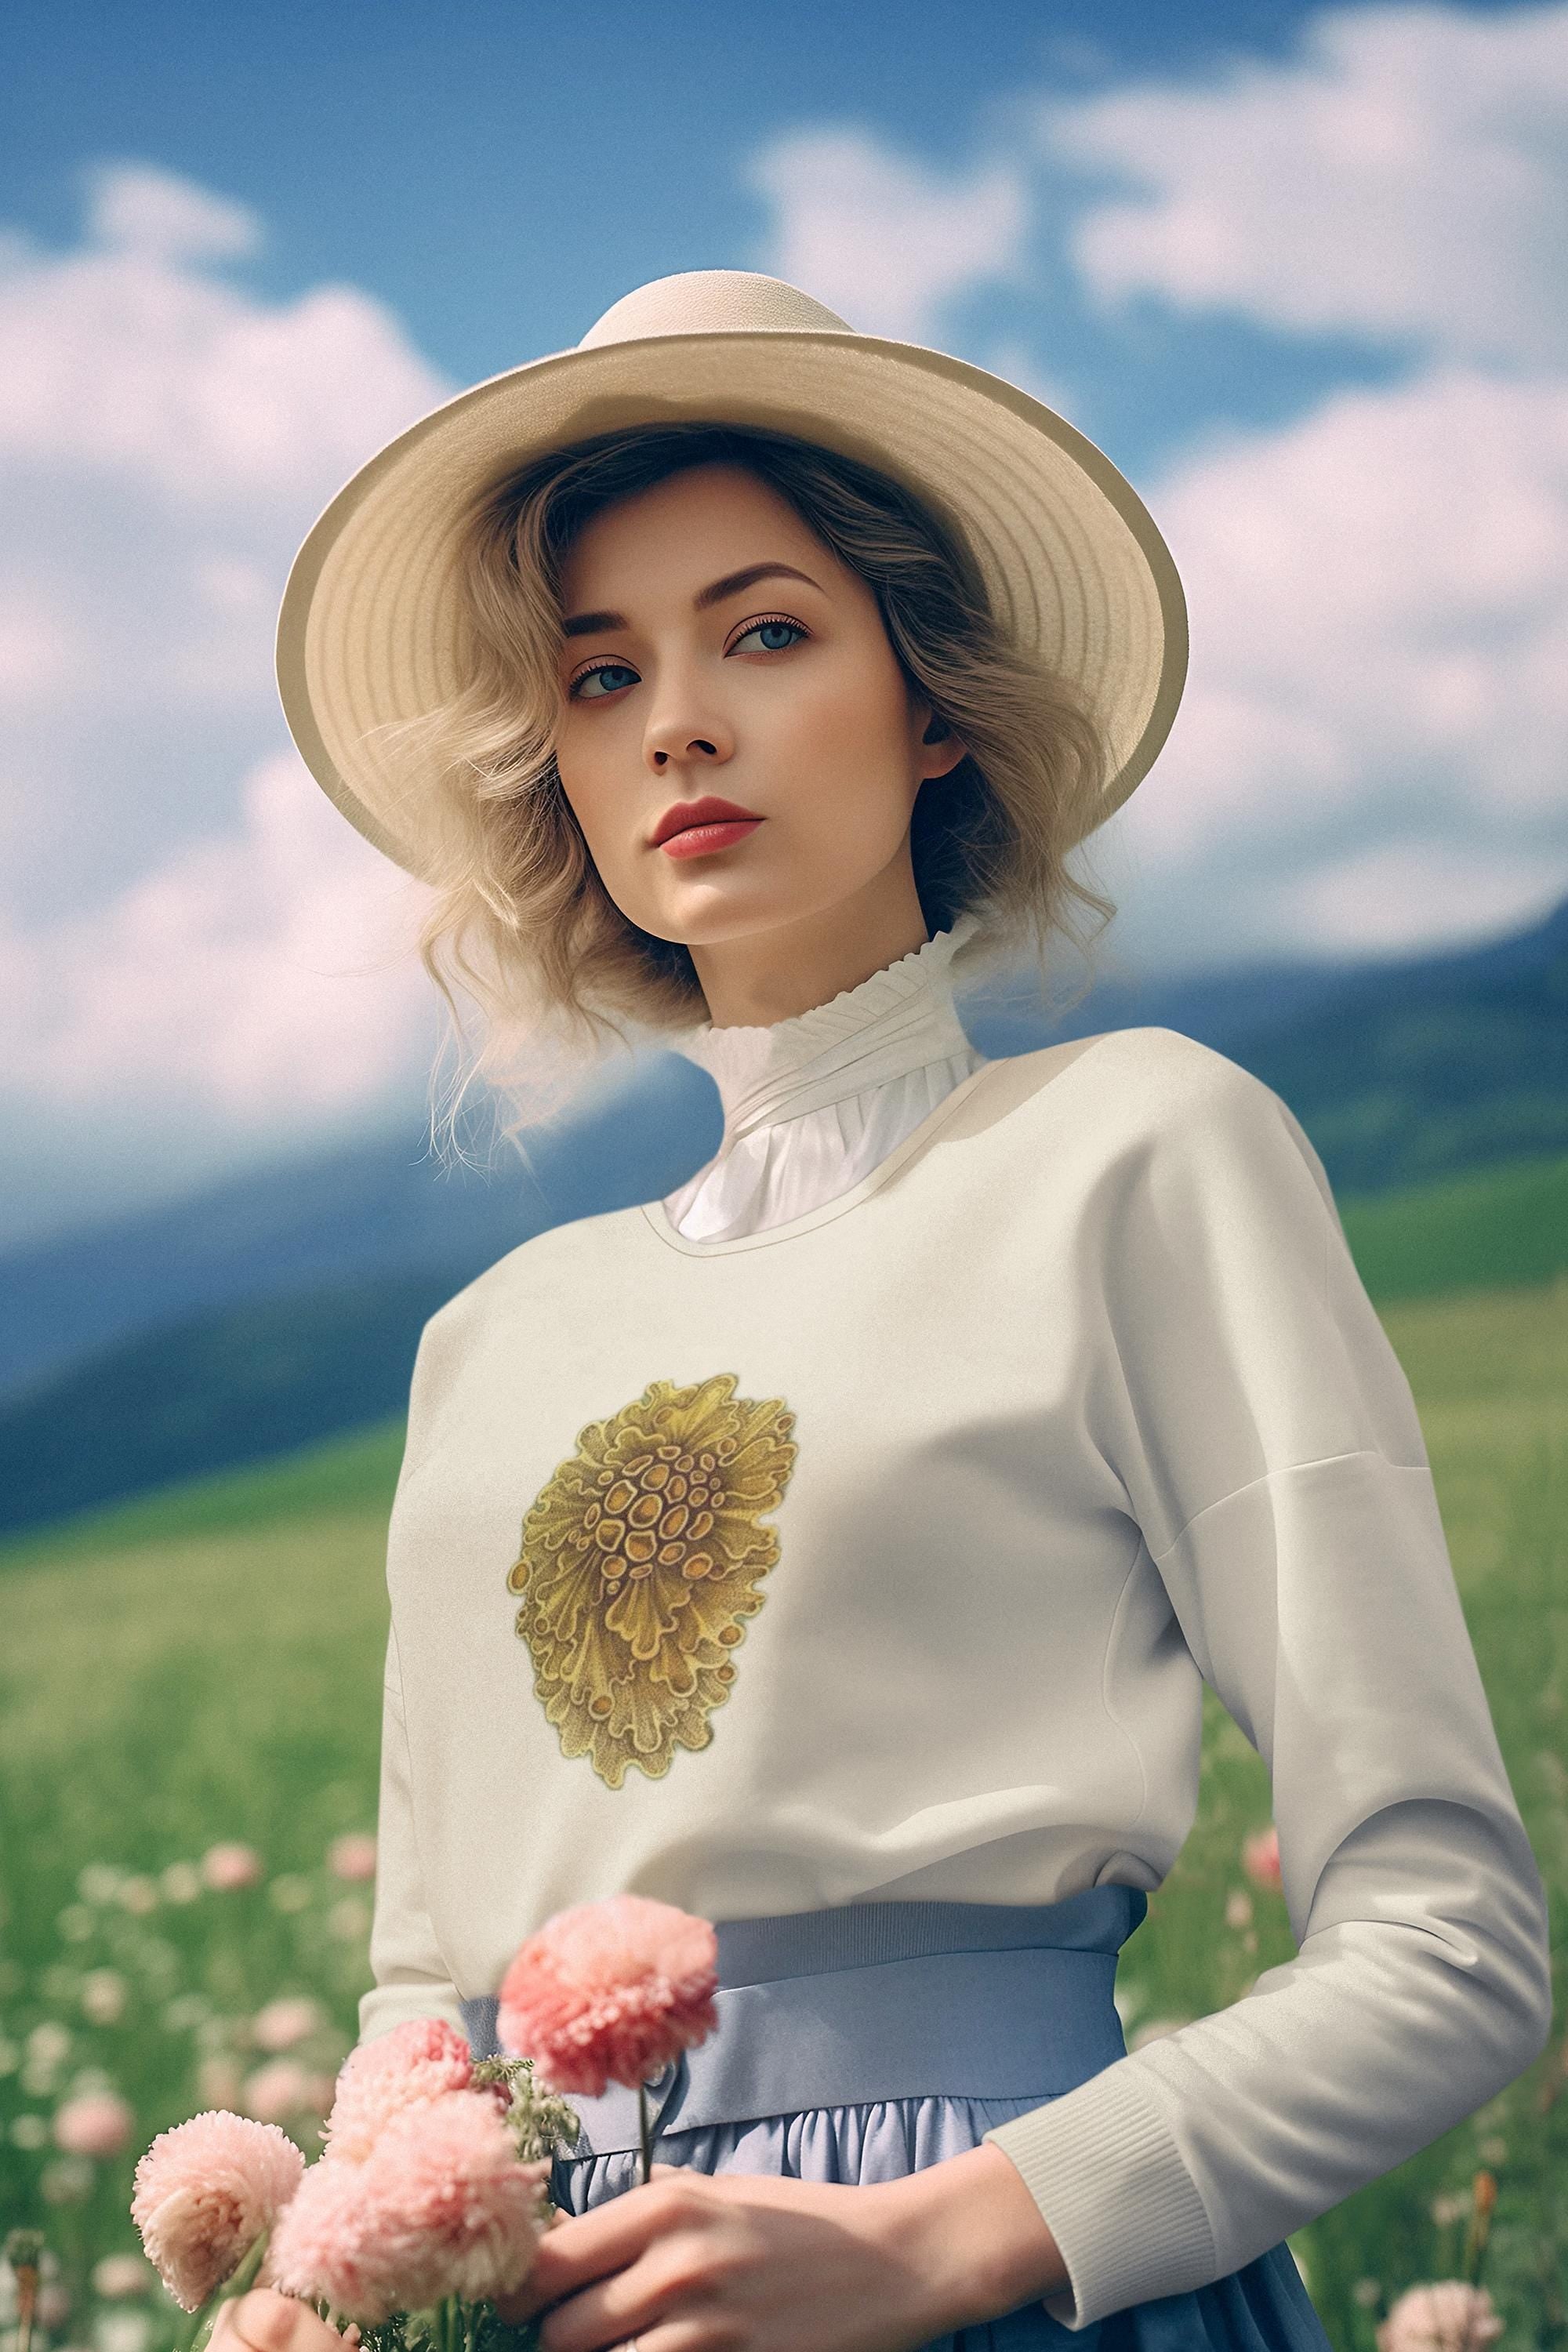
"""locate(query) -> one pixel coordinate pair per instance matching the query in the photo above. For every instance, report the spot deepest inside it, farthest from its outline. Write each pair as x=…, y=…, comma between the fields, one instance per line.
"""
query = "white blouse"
x=813, y=1103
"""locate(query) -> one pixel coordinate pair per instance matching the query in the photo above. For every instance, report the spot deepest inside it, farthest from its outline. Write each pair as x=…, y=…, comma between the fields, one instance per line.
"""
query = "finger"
x=270, y=2322
x=588, y=2247
x=625, y=2308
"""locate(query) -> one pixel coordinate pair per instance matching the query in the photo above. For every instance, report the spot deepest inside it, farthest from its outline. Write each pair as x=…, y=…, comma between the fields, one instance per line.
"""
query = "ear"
x=940, y=749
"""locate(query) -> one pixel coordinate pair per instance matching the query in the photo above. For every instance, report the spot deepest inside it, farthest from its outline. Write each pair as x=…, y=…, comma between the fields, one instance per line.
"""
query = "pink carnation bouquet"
x=611, y=1993
x=424, y=2208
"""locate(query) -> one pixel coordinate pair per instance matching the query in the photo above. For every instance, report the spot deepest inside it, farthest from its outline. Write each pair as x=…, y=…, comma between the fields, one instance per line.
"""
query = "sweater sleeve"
x=1268, y=1445
x=411, y=1976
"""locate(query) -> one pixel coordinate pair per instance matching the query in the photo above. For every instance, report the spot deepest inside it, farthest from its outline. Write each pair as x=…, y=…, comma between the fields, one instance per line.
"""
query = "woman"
x=839, y=1546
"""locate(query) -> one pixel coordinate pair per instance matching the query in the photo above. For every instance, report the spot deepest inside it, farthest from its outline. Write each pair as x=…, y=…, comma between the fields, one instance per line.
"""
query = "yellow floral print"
x=639, y=1562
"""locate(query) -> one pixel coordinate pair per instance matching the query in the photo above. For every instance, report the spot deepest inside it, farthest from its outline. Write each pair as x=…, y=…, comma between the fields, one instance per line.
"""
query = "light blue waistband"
x=872, y=2002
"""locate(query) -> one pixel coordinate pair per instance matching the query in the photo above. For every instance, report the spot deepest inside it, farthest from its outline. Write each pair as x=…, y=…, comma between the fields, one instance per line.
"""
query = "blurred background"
x=1301, y=272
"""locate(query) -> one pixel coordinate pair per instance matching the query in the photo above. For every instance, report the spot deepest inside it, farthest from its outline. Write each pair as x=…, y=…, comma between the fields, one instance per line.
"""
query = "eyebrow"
x=588, y=625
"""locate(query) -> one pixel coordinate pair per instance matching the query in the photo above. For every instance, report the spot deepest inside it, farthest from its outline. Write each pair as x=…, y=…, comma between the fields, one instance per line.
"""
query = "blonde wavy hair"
x=520, y=920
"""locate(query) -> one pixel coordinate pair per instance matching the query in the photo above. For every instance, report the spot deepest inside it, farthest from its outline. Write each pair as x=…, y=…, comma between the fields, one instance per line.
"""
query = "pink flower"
x=418, y=2061
x=352, y=1857
x=204, y=2194
x=610, y=1992
x=103, y=1996
x=1448, y=2316
x=441, y=2207
x=227, y=1866
x=1260, y=1859
x=325, y=2248
x=283, y=2023
x=98, y=2123
x=285, y=2088
x=118, y=2275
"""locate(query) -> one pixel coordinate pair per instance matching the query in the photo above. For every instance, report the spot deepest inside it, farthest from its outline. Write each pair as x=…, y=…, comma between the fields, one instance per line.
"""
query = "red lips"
x=706, y=811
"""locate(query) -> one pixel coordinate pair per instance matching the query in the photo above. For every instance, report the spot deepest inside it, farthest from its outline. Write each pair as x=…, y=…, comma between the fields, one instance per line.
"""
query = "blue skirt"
x=863, y=2043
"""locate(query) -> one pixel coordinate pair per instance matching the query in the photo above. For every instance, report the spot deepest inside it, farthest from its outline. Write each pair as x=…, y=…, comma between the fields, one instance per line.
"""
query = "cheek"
x=850, y=742
x=587, y=781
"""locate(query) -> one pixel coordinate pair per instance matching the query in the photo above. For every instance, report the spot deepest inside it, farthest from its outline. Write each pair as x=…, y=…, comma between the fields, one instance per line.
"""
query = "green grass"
x=205, y=1664
x=1504, y=1225
x=344, y=1473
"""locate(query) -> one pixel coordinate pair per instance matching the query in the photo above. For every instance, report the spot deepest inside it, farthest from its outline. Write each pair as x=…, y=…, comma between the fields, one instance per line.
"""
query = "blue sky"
x=1300, y=271
x=498, y=175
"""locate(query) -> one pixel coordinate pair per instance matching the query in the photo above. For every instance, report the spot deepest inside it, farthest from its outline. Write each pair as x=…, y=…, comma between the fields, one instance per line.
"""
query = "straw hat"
x=369, y=633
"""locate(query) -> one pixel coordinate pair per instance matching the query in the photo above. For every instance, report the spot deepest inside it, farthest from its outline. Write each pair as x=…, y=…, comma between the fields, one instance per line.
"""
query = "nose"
x=684, y=731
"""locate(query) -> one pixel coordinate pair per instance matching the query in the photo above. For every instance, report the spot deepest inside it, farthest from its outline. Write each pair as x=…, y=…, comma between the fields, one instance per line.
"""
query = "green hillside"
x=1506, y=1224
x=206, y=1665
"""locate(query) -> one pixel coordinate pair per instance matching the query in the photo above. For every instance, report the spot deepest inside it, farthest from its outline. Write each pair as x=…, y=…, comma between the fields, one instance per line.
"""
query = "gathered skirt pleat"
x=1263, y=2307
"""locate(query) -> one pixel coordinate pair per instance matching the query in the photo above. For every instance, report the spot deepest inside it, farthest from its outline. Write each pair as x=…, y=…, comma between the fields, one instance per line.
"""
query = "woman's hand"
x=744, y=2263
x=263, y=2321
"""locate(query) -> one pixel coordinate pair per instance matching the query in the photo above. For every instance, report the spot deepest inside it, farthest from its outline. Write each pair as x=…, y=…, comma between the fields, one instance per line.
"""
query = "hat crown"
x=713, y=302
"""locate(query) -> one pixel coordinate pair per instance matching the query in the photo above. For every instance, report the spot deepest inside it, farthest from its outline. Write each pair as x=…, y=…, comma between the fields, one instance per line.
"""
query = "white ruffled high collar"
x=898, y=1019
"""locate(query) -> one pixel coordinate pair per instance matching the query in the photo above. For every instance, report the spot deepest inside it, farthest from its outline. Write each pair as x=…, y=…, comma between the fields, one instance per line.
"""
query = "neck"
x=772, y=975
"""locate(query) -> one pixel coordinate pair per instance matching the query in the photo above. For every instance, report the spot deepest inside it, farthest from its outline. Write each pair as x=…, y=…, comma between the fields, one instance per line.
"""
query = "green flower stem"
x=24, y=2251
x=644, y=2124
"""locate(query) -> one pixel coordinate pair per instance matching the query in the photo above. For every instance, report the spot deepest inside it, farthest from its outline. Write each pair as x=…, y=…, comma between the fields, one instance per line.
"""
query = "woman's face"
x=716, y=650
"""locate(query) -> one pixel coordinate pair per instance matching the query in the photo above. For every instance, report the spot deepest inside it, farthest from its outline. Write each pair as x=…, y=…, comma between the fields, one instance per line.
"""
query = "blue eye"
x=609, y=677
x=774, y=636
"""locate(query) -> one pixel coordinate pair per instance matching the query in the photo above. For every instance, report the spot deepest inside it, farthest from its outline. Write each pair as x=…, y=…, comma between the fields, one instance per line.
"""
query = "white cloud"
x=166, y=438
x=136, y=207
x=131, y=360
x=1396, y=897
x=1017, y=363
x=39, y=648
x=262, y=975
x=177, y=899
x=1402, y=178
x=1379, y=601
x=883, y=241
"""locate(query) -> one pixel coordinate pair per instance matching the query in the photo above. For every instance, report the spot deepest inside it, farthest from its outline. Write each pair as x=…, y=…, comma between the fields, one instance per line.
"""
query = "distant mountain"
x=1418, y=1071
x=1399, y=1071
x=376, y=1206
x=233, y=1385
x=275, y=1308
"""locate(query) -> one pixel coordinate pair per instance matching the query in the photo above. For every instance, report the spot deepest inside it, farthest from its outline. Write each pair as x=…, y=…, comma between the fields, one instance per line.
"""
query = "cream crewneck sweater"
x=883, y=1553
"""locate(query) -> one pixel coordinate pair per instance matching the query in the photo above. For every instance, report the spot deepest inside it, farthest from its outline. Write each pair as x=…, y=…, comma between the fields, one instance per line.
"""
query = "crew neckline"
x=667, y=1231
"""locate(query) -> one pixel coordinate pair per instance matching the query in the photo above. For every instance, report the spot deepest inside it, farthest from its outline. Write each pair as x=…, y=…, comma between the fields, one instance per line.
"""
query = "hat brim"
x=368, y=637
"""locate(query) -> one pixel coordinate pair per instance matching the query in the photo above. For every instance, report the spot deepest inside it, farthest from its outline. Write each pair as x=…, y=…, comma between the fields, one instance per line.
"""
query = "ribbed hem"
x=1125, y=2213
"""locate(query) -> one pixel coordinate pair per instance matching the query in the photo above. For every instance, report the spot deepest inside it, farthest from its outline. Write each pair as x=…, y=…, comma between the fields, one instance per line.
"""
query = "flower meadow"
x=189, y=1716
x=145, y=2013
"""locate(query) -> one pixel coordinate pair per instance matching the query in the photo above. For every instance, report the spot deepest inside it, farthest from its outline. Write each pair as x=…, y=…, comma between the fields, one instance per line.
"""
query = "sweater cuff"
x=387, y=2005
x=1105, y=2171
